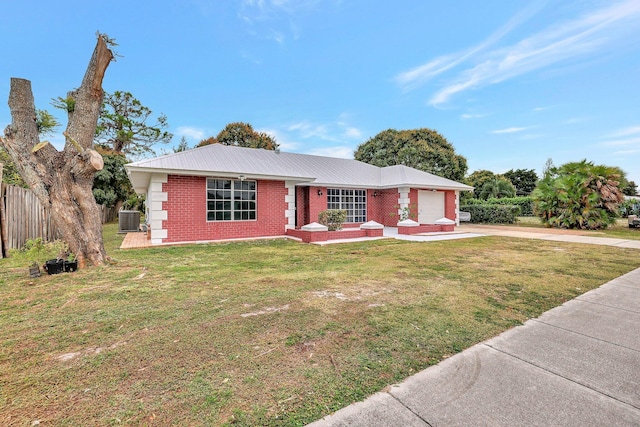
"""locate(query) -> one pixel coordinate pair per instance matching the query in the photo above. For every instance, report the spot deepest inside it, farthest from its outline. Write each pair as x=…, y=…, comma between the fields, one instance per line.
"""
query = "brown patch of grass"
x=159, y=337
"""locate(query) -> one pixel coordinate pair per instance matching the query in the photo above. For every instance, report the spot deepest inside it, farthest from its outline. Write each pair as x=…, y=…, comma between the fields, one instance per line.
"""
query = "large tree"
x=524, y=180
x=123, y=125
x=578, y=195
x=422, y=149
x=63, y=180
x=241, y=134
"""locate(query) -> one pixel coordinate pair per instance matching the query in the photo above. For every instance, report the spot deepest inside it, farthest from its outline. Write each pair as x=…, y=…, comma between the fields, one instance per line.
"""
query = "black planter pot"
x=70, y=266
x=54, y=266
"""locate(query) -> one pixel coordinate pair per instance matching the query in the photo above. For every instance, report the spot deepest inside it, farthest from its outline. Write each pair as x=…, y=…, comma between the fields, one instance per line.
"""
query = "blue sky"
x=508, y=83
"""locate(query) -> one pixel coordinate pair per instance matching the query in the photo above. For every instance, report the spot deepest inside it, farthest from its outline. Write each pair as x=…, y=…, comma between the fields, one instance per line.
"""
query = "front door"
x=430, y=206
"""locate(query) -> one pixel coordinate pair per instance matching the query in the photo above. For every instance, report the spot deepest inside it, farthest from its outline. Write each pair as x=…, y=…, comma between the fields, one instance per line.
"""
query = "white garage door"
x=430, y=206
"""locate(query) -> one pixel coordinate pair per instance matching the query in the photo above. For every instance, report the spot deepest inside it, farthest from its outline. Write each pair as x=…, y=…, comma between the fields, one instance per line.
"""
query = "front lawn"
x=264, y=333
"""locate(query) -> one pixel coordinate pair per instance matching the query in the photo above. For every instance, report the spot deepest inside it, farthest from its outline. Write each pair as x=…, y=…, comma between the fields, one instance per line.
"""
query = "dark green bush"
x=525, y=203
x=492, y=214
x=332, y=218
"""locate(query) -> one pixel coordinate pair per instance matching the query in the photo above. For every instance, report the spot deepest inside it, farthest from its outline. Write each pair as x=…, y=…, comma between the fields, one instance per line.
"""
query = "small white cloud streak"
x=633, y=130
x=625, y=152
x=619, y=142
x=283, y=141
x=352, y=132
x=509, y=130
x=472, y=116
x=339, y=152
x=190, y=132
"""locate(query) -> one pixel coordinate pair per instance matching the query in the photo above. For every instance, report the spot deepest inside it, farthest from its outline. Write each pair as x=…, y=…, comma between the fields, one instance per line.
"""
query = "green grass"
x=270, y=333
x=619, y=230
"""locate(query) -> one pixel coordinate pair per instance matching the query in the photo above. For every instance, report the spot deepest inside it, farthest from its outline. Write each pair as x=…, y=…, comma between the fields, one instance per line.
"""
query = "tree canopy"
x=241, y=134
x=111, y=184
x=123, y=125
x=524, y=180
x=497, y=187
x=579, y=195
x=477, y=179
x=423, y=149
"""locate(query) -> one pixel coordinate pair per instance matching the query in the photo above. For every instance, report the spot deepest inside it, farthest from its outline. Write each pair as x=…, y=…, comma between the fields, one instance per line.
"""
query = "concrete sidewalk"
x=576, y=365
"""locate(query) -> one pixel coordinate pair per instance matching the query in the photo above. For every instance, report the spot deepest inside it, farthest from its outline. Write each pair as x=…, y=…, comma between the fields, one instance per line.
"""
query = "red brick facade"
x=186, y=208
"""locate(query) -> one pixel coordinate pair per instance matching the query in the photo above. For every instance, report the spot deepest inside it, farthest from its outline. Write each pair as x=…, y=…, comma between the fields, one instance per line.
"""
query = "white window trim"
x=232, y=200
x=341, y=195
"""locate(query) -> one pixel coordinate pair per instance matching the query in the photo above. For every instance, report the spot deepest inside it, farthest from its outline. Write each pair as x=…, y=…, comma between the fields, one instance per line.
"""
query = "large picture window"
x=352, y=201
x=231, y=200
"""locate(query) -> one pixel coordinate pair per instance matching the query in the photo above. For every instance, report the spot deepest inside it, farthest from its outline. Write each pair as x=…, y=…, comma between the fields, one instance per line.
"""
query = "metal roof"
x=228, y=161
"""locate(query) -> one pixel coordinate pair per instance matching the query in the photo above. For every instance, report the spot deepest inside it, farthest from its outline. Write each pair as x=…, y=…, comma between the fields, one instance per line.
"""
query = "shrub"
x=333, y=218
x=525, y=203
x=492, y=214
x=38, y=251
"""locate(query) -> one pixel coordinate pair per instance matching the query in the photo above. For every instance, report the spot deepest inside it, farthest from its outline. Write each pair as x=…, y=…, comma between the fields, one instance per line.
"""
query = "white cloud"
x=283, y=141
x=509, y=130
x=275, y=19
x=352, y=132
x=625, y=137
x=468, y=116
x=310, y=130
x=632, y=130
x=618, y=142
x=590, y=33
x=423, y=73
x=340, y=152
x=626, y=152
x=190, y=132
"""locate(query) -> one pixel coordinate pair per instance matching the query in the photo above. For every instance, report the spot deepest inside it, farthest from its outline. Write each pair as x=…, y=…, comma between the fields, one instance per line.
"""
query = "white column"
x=403, y=199
x=154, y=203
x=457, y=207
x=290, y=200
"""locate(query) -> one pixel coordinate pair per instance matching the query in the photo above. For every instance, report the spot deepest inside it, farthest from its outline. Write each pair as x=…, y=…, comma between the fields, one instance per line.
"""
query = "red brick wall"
x=413, y=204
x=187, y=212
x=317, y=203
x=387, y=207
x=450, y=205
x=302, y=210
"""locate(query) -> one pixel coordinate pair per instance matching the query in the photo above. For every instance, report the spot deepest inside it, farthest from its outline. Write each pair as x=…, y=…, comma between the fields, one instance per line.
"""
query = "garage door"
x=430, y=206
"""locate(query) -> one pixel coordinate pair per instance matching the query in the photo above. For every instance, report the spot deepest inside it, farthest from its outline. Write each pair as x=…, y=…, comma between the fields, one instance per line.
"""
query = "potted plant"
x=54, y=266
x=71, y=263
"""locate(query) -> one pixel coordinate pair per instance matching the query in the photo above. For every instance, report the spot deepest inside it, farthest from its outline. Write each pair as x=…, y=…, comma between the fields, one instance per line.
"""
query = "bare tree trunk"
x=63, y=180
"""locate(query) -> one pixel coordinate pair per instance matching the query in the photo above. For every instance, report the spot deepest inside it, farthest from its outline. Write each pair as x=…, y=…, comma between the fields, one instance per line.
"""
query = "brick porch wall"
x=186, y=208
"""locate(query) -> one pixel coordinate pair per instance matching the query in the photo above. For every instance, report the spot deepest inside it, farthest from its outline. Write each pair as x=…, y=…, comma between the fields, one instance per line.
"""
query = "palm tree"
x=496, y=188
x=579, y=195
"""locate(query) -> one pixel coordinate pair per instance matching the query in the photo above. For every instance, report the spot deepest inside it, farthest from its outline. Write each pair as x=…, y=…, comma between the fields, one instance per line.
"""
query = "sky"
x=510, y=84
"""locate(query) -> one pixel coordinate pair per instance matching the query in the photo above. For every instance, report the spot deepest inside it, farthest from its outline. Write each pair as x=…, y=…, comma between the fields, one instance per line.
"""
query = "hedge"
x=525, y=203
x=492, y=214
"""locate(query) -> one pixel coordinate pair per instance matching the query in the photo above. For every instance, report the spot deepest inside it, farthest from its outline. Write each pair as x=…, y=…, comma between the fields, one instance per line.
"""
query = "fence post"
x=2, y=246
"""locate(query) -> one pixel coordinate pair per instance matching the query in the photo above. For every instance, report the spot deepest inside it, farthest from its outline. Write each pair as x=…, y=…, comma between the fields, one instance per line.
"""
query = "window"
x=352, y=201
x=231, y=200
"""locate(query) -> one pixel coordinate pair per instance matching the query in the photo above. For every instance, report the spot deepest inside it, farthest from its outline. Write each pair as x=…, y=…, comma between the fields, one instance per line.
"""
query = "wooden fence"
x=22, y=218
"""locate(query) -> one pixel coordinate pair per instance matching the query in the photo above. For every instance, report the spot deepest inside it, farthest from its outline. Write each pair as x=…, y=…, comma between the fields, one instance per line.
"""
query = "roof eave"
x=140, y=171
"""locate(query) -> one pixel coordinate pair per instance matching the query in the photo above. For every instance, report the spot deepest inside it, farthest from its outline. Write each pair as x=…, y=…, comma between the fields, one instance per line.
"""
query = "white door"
x=430, y=206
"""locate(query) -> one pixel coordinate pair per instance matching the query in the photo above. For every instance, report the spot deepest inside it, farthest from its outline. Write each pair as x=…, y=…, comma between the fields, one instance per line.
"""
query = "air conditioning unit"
x=128, y=221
